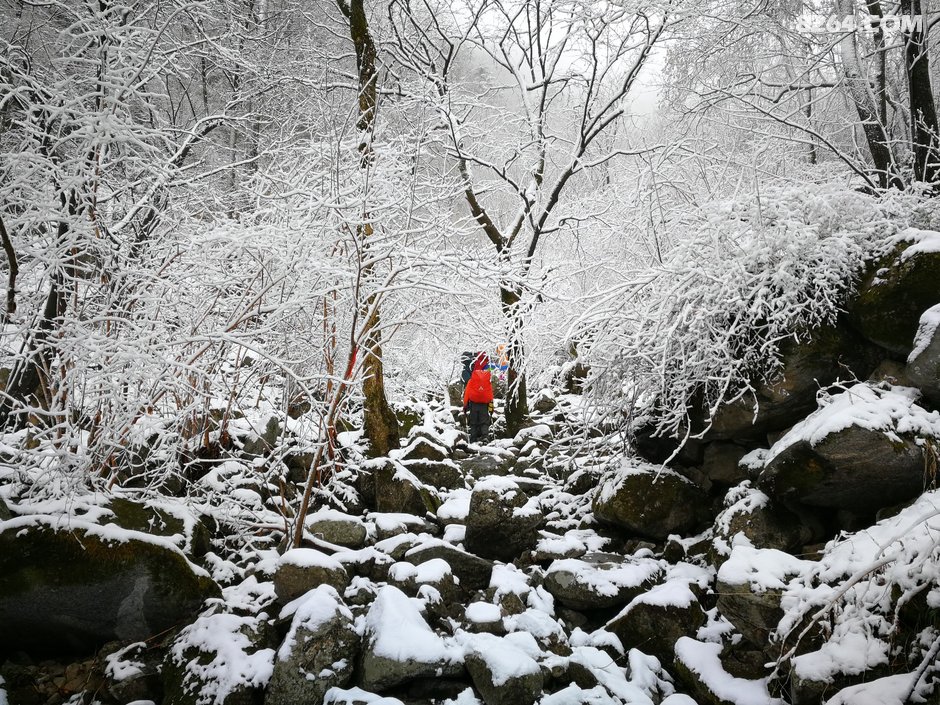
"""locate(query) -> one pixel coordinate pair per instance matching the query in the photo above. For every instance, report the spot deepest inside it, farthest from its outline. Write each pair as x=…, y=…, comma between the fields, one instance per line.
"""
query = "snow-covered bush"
x=708, y=321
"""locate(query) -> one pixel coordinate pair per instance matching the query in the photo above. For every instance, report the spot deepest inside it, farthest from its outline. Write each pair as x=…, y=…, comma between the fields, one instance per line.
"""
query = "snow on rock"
x=890, y=690
x=638, y=688
x=891, y=411
x=574, y=543
x=399, y=645
x=503, y=673
x=539, y=432
x=923, y=364
x=698, y=664
x=600, y=580
x=649, y=500
x=218, y=656
x=483, y=613
x=862, y=450
x=318, y=652
x=357, y=696
x=455, y=506
x=503, y=520
x=303, y=569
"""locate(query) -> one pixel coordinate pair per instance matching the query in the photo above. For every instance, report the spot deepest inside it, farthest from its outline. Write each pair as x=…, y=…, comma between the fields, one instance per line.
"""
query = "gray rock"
x=444, y=474
x=893, y=295
x=399, y=646
x=854, y=469
x=833, y=353
x=485, y=464
x=472, y=571
x=544, y=401
x=423, y=448
x=721, y=463
x=333, y=527
x=751, y=513
x=599, y=581
x=5, y=513
x=655, y=628
x=503, y=523
x=455, y=393
x=755, y=613
x=72, y=591
x=303, y=569
x=132, y=672
x=923, y=367
x=515, y=690
x=650, y=501
x=319, y=652
x=750, y=587
x=146, y=518
x=261, y=443
x=398, y=490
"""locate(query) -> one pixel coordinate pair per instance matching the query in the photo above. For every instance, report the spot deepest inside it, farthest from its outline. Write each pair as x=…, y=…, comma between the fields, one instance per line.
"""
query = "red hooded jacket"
x=479, y=388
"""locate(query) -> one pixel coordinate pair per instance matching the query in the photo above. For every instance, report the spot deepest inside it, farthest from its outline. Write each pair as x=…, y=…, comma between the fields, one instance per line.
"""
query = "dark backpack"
x=467, y=358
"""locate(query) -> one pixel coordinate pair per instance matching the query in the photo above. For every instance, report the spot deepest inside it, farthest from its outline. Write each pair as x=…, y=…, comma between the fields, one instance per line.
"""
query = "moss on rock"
x=894, y=293
x=73, y=591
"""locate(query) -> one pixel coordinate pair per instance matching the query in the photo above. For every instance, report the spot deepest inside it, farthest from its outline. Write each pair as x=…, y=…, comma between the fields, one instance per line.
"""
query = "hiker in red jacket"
x=478, y=398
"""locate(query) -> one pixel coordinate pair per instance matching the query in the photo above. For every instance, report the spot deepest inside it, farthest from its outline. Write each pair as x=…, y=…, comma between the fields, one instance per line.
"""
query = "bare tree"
x=557, y=78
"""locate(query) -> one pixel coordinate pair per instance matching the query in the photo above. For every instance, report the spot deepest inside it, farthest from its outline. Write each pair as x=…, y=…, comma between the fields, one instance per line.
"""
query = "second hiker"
x=478, y=398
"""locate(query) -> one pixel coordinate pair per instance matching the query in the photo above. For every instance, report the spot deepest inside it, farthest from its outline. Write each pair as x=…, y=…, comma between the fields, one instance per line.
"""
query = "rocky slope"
x=787, y=555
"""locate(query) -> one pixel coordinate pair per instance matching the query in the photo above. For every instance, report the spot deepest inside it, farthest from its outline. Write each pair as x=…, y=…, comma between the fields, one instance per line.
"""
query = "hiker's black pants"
x=479, y=421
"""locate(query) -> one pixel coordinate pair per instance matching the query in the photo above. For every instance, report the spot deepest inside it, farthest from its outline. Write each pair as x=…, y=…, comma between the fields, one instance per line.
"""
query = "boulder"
x=650, y=501
x=698, y=666
x=860, y=452
x=722, y=463
x=502, y=673
x=503, y=522
x=750, y=587
x=318, y=653
x=486, y=464
x=420, y=447
x=897, y=289
x=599, y=580
x=656, y=618
x=923, y=364
x=444, y=474
x=411, y=577
x=399, y=646
x=74, y=590
x=473, y=572
x=397, y=490
x=455, y=393
x=131, y=672
x=544, y=401
x=303, y=569
x=225, y=659
x=833, y=353
x=187, y=531
x=750, y=514
x=654, y=626
x=338, y=528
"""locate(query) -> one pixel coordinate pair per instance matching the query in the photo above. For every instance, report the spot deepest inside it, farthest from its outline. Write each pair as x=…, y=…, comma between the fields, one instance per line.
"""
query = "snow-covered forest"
x=253, y=251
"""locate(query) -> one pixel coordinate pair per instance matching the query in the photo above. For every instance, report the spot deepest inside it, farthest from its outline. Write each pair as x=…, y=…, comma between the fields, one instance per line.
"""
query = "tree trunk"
x=860, y=91
x=380, y=424
x=517, y=408
x=924, y=142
